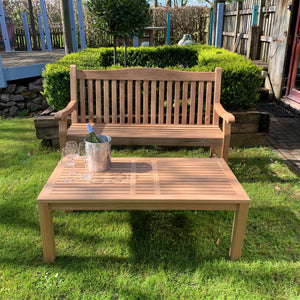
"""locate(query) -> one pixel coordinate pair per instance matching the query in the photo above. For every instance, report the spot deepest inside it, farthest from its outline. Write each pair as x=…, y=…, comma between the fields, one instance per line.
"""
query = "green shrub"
x=161, y=57
x=240, y=78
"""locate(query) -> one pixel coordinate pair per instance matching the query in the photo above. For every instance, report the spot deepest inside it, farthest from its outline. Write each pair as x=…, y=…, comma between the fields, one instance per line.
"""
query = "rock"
x=5, y=97
x=33, y=106
x=20, y=89
x=29, y=95
x=11, y=103
x=16, y=98
x=3, y=105
x=11, y=88
x=6, y=110
x=39, y=81
x=38, y=100
x=36, y=88
x=21, y=105
x=13, y=110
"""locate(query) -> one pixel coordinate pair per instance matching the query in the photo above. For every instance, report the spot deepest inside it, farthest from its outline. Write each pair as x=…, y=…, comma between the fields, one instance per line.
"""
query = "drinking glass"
x=74, y=146
x=88, y=175
x=68, y=161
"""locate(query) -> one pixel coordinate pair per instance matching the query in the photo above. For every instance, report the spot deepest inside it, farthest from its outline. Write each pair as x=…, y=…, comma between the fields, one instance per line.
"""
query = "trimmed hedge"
x=240, y=78
x=160, y=57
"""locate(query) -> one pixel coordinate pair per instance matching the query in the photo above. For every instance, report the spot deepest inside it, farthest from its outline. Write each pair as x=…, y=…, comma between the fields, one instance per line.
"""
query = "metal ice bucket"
x=98, y=154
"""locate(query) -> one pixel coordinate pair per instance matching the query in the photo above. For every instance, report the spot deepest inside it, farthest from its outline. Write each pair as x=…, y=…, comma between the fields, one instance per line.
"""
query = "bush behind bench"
x=240, y=78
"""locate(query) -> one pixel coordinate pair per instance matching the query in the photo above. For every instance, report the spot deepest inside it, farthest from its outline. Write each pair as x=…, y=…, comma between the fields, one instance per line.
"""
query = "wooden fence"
x=237, y=26
x=56, y=34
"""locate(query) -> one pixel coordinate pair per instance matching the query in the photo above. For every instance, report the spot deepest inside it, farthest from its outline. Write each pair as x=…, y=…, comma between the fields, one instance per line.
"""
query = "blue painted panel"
x=135, y=41
x=41, y=32
x=46, y=25
x=254, y=15
x=4, y=29
x=21, y=72
x=27, y=34
x=3, y=82
x=73, y=26
x=211, y=23
x=168, y=27
x=219, y=25
x=81, y=24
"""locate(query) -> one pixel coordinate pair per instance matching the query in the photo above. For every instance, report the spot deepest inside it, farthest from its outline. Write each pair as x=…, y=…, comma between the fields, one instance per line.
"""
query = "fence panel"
x=237, y=24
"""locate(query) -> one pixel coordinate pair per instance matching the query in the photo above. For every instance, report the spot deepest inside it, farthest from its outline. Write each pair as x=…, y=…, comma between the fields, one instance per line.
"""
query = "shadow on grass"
x=257, y=169
x=173, y=239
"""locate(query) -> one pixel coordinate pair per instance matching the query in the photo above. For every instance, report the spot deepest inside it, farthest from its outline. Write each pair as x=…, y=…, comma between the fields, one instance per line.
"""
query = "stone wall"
x=22, y=97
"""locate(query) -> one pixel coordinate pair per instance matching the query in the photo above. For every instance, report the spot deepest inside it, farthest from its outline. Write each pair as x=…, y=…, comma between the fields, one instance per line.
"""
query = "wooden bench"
x=148, y=106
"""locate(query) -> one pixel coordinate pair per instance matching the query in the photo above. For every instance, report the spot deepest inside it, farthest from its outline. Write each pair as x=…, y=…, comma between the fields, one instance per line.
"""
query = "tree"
x=121, y=18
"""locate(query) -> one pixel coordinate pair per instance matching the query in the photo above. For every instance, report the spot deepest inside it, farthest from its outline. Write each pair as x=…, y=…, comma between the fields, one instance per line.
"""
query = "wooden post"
x=253, y=42
x=73, y=26
x=46, y=25
x=211, y=28
x=81, y=25
x=4, y=29
x=67, y=27
x=32, y=25
x=26, y=29
x=254, y=15
x=168, y=27
x=3, y=82
x=41, y=32
x=219, y=25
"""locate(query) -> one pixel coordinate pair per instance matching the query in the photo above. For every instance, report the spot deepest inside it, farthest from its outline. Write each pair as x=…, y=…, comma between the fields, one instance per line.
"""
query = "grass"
x=146, y=254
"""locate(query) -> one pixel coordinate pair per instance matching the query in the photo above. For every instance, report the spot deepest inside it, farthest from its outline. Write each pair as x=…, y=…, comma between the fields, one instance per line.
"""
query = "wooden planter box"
x=250, y=129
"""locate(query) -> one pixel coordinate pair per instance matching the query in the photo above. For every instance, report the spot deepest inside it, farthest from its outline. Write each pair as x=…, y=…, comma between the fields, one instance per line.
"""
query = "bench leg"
x=238, y=231
x=47, y=232
x=215, y=151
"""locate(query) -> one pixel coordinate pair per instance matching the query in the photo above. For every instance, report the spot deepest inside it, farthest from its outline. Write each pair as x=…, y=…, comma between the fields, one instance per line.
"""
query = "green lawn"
x=151, y=254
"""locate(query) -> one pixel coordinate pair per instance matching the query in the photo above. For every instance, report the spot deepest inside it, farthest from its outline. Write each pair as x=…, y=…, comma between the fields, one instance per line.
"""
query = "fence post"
x=253, y=42
x=41, y=32
x=81, y=25
x=26, y=29
x=4, y=29
x=211, y=24
x=3, y=82
x=254, y=15
x=168, y=27
x=46, y=25
x=219, y=25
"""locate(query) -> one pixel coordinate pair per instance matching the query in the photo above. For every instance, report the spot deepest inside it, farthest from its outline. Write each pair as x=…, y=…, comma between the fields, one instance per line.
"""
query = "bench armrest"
x=225, y=115
x=66, y=111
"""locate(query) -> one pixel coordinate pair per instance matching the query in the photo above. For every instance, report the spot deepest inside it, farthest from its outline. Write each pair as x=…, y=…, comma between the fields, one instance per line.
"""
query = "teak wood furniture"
x=147, y=184
x=148, y=106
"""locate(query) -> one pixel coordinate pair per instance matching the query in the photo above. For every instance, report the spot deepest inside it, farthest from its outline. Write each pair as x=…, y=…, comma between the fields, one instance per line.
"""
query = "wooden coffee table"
x=147, y=184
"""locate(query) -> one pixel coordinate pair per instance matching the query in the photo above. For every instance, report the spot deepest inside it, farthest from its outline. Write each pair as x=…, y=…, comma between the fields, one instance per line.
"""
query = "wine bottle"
x=93, y=137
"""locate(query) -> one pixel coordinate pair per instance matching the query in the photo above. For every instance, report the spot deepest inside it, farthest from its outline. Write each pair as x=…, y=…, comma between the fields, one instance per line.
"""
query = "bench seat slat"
x=139, y=134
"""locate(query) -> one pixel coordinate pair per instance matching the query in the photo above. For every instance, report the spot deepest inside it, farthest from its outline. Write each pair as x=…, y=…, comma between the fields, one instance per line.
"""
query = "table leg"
x=47, y=232
x=238, y=231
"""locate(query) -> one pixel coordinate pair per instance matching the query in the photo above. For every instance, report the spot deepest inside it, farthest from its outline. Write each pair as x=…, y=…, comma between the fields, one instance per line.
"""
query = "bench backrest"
x=145, y=95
